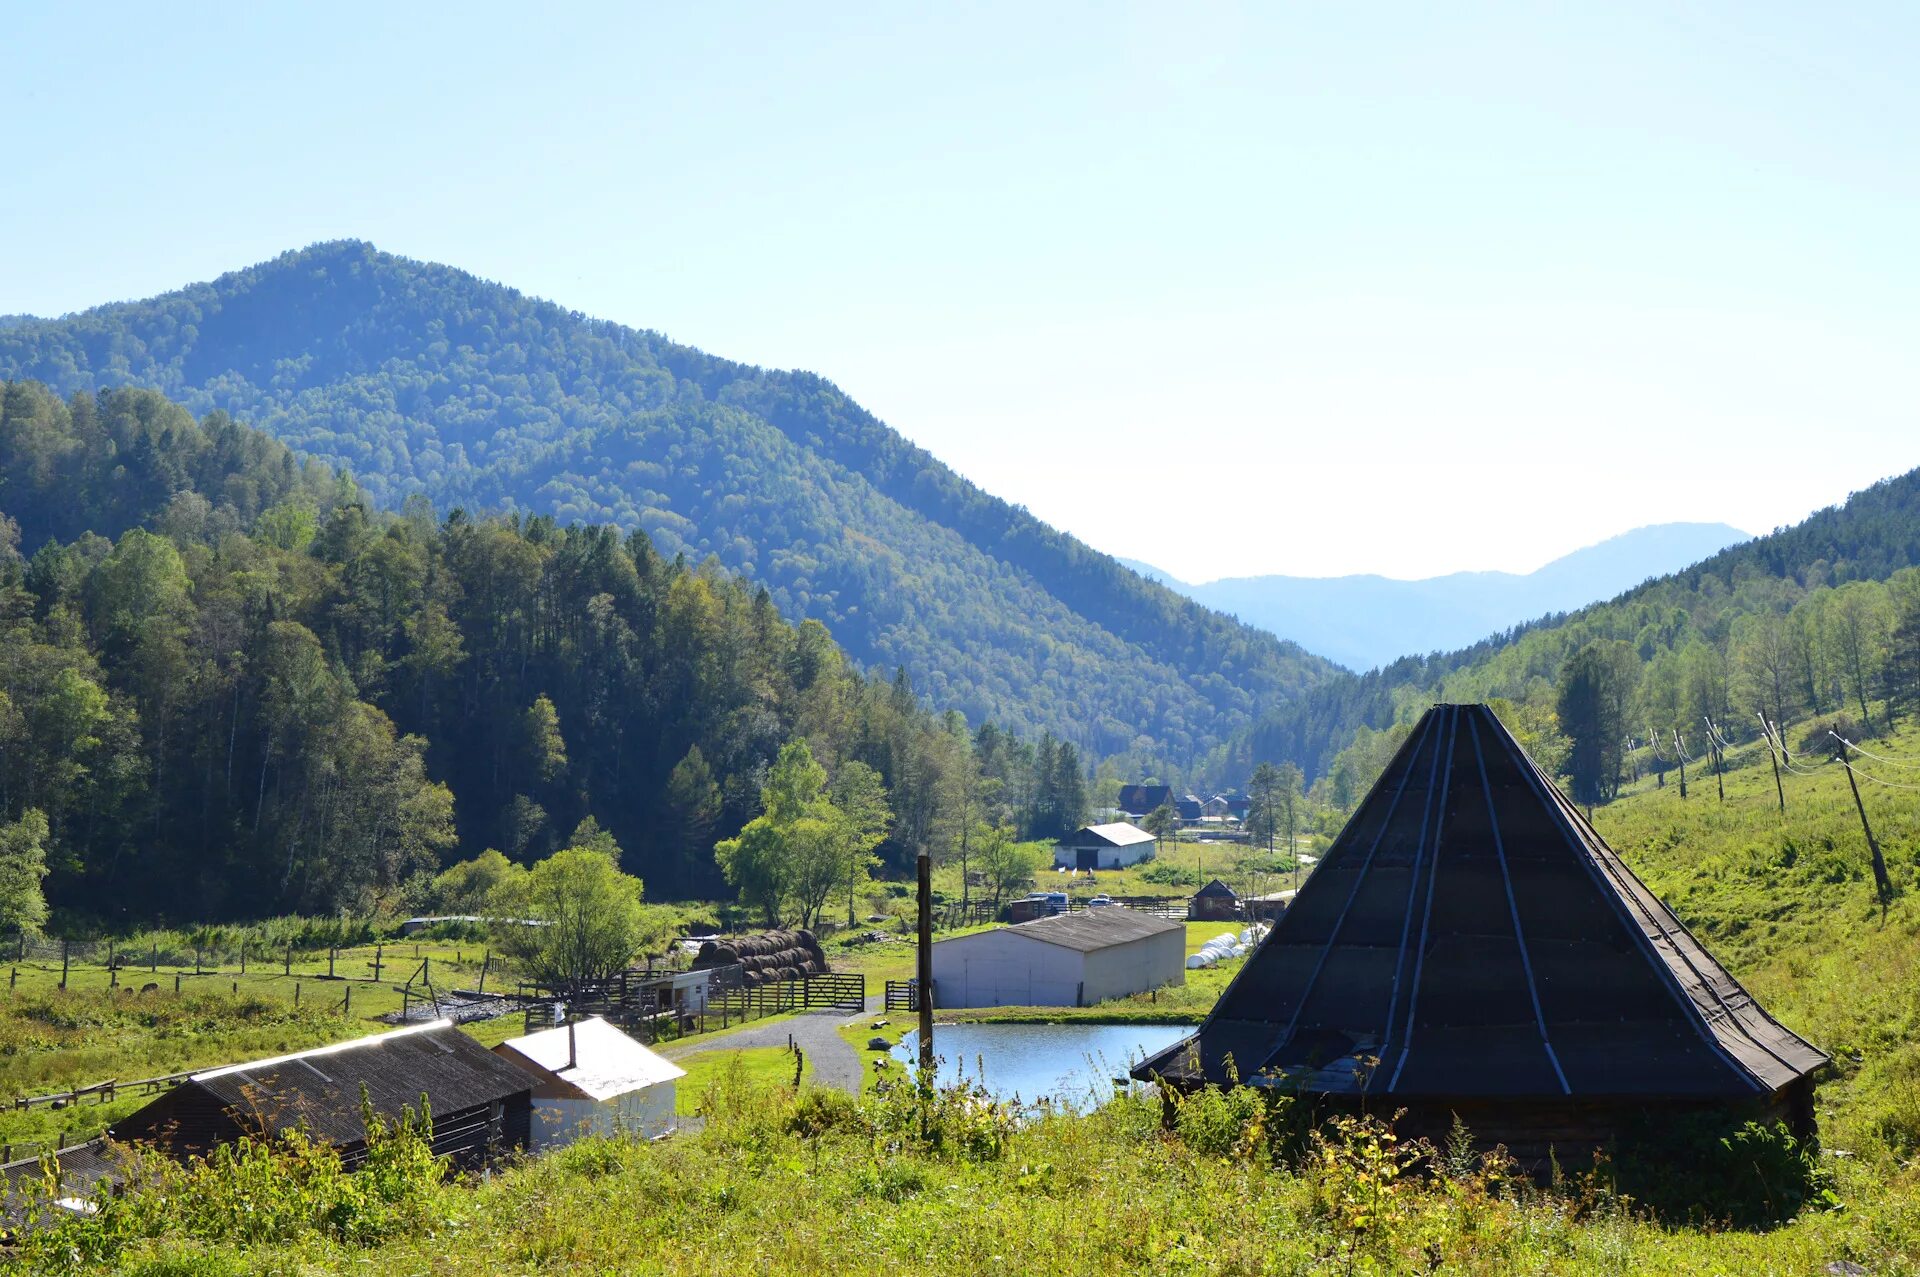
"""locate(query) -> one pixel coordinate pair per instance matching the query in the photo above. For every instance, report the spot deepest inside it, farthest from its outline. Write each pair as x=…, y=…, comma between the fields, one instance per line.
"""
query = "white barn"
x=592, y=1079
x=1104, y=847
x=1071, y=960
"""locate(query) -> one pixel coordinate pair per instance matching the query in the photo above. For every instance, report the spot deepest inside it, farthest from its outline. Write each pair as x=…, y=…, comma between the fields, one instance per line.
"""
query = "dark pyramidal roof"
x=1470, y=935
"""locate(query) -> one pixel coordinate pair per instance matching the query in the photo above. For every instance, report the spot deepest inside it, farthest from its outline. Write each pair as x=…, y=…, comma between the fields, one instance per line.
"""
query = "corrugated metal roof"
x=606, y=1062
x=321, y=1088
x=1094, y=929
x=1469, y=934
x=1120, y=834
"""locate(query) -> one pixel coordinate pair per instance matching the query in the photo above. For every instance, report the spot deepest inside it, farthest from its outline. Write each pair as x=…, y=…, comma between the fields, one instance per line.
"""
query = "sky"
x=1404, y=289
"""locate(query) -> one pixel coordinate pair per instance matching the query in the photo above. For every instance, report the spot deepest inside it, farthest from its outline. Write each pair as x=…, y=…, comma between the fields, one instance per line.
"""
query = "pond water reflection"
x=1071, y=1064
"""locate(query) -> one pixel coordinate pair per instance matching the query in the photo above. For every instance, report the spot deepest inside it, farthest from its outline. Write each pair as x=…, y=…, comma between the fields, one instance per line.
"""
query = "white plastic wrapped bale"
x=1198, y=961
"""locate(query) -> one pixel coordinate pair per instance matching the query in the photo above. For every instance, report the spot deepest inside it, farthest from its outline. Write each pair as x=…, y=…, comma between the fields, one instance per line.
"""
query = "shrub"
x=960, y=1121
x=824, y=1111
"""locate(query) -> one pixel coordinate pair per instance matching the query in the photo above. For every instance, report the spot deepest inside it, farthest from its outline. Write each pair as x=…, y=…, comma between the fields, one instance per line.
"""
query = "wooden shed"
x=1469, y=945
x=1215, y=902
x=480, y=1103
x=589, y=1078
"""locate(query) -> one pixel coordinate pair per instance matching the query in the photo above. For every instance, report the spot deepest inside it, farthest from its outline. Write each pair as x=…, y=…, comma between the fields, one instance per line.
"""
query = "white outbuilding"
x=592, y=1079
x=1112, y=846
x=1071, y=960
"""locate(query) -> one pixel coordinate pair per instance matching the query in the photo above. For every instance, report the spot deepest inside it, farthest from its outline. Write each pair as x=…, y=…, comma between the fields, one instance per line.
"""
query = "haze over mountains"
x=423, y=379
x=1366, y=621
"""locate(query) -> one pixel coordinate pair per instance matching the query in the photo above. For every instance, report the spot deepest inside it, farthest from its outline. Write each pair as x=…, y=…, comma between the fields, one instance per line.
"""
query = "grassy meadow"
x=786, y=1183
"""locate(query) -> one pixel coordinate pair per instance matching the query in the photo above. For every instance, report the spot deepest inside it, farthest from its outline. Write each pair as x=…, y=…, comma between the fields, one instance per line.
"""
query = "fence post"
x=113, y=969
x=243, y=955
x=346, y=1003
x=153, y=959
x=63, y=964
x=485, y=962
x=196, y=959
x=286, y=967
x=176, y=982
x=296, y=993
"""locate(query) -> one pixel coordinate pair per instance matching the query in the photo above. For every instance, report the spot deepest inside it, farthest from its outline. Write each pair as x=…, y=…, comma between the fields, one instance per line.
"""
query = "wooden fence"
x=647, y=1007
x=903, y=995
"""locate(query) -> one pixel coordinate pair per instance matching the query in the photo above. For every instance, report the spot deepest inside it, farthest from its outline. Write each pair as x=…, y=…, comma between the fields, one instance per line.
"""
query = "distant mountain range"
x=1367, y=621
x=422, y=379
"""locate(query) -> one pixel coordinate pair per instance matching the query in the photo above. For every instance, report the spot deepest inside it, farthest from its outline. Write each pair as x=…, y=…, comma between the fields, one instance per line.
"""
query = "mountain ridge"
x=421, y=378
x=1367, y=620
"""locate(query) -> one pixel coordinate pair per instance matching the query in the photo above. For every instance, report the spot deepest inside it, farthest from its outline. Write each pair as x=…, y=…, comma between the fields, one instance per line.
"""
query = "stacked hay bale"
x=765, y=957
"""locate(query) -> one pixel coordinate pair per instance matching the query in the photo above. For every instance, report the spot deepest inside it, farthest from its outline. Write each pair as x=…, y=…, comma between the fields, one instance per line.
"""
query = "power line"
x=1875, y=779
x=1891, y=762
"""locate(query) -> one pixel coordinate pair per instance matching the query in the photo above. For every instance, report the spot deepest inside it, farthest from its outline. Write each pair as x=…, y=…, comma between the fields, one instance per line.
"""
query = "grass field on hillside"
x=804, y=1185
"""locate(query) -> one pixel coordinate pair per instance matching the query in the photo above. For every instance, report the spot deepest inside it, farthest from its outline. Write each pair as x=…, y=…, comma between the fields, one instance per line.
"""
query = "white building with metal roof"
x=592, y=1079
x=1071, y=960
x=1112, y=846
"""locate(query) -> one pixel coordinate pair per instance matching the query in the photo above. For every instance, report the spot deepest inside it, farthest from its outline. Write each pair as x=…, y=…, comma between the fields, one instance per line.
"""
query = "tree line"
x=231, y=687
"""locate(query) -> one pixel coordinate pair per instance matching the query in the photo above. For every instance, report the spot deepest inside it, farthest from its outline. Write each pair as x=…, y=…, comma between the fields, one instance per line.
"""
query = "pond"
x=1072, y=1064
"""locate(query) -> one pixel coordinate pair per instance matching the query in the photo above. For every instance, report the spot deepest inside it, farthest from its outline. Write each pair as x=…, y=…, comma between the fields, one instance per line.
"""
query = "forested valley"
x=421, y=379
x=231, y=686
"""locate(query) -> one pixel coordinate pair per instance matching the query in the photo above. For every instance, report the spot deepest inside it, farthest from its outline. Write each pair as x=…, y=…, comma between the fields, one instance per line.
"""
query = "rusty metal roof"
x=1470, y=935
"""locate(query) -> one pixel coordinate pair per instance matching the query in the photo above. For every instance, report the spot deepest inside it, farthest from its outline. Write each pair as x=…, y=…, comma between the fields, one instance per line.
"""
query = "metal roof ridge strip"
x=1359, y=877
x=329, y=1049
x=1556, y=802
x=1661, y=916
x=1426, y=917
x=1189, y=1044
x=1513, y=907
x=1406, y=922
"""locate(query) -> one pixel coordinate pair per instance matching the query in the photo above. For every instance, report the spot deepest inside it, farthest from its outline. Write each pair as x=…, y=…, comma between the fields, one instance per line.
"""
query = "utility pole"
x=1882, y=883
x=1679, y=752
x=1713, y=743
x=1773, y=758
x=925, y=864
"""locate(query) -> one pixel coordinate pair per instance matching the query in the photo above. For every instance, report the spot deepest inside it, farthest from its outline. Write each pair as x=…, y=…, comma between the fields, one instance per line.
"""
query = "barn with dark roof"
x=1469, y=945
x=480, y=1103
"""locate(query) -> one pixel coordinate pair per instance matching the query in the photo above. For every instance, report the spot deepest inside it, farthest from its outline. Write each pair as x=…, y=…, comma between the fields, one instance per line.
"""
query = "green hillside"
x=1799, y=621
x=422, y=379
x=230, y=688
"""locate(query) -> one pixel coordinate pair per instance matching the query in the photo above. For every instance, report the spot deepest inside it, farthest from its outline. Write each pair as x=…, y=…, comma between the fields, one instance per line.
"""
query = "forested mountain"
x=232, y=686
x=1819, y=618
x=422, y=379
x=1366, y=621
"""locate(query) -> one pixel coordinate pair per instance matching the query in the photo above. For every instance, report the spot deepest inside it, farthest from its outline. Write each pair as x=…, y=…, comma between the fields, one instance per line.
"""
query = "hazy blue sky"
x=1302, y=289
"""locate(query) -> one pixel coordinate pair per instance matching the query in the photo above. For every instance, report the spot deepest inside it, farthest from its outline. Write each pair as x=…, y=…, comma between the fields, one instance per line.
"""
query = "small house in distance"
x=1140, y=801
x=1215, y=902
x=1104, y=847
x=1071, y=960
x=589, y=1078
x=480, y=1103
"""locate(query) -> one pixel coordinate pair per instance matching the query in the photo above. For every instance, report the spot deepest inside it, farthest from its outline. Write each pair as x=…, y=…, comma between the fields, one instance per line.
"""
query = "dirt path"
x=816, y=1033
